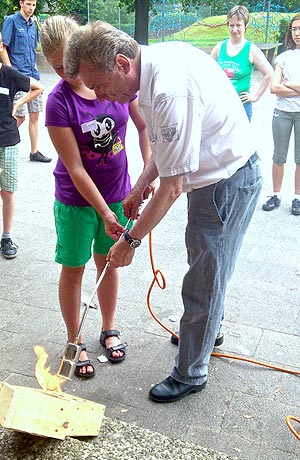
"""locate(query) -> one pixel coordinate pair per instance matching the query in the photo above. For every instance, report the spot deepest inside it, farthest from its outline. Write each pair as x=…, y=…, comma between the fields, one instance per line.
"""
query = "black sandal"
x=86, y=363
x=109, y=351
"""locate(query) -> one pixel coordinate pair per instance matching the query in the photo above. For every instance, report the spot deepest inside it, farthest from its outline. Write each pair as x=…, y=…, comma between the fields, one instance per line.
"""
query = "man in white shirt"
x=200, y=140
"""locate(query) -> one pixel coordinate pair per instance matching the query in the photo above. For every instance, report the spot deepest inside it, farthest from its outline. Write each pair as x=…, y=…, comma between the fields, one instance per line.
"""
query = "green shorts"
x=9, y=162
x=78, y=230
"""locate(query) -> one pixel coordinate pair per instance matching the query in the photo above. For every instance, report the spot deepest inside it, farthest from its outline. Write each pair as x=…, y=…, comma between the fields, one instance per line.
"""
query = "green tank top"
x=238, y=68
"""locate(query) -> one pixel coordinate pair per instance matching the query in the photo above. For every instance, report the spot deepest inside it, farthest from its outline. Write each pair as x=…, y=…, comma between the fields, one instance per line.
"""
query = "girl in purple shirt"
x=91, y=180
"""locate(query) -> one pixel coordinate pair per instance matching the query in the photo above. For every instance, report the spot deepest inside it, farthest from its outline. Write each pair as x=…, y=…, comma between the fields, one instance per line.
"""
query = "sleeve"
x=23, y=81
x=279, y=60
x=7, y=30
x=133, y=98
x=57, y=113
x=176, y=136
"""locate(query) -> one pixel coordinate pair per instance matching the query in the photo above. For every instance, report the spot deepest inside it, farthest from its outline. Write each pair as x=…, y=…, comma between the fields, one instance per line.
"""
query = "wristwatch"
x=133, y=243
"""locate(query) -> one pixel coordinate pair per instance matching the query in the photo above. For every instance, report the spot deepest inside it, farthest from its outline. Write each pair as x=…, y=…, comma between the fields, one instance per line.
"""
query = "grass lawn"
x=206, y=36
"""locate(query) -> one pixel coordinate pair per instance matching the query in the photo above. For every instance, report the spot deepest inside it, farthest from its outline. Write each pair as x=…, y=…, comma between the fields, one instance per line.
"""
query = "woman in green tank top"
x=238, y=57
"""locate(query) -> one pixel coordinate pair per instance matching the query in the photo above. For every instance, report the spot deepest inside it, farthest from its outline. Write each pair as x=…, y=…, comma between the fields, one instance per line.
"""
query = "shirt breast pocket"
x=21, y=41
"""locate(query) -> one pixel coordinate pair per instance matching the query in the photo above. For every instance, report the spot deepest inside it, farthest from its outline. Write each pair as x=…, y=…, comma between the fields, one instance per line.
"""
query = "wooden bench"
x=268, y=49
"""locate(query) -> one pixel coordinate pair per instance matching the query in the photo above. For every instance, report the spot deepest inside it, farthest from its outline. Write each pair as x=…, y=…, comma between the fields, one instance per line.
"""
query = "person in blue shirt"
x=11, y=81
x=19, y=37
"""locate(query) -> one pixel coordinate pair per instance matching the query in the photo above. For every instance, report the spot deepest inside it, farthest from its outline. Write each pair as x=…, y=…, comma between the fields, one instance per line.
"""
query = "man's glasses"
x=295, y=29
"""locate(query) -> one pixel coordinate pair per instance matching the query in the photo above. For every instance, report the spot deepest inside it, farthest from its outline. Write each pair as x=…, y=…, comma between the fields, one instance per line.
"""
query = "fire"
x=46, y=380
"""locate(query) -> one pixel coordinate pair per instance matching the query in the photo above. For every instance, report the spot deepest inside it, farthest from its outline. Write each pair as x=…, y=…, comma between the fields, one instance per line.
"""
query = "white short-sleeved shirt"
x=289, y=62
x=196, y=122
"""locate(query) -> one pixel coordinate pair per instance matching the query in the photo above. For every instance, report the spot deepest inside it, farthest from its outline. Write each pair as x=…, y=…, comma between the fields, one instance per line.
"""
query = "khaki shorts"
x=9, y=162
x=33, y=106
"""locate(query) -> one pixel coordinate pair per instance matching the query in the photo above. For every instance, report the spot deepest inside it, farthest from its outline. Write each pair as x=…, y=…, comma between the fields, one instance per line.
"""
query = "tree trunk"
x=141, y=21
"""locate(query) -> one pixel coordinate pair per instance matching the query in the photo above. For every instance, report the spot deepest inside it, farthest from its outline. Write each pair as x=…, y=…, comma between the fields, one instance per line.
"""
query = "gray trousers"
x=218, y=217
x=282, y=125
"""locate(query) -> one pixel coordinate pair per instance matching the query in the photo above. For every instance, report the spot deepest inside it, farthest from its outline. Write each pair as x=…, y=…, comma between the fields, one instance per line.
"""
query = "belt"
x=253, y=159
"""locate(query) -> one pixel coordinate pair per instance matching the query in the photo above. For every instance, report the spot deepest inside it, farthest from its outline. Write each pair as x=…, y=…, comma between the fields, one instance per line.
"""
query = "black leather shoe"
x=171, y=390
x=219, y=340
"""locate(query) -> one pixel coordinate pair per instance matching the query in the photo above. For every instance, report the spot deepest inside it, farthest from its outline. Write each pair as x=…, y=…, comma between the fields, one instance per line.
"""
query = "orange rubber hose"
x=159, y=279
x=288, y=422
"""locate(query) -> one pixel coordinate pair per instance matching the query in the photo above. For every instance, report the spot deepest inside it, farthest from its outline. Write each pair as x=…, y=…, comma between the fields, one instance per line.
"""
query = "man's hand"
x=120, y=254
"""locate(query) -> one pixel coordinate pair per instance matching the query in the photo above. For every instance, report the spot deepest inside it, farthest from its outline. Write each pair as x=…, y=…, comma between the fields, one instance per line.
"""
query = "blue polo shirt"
x=20, y=37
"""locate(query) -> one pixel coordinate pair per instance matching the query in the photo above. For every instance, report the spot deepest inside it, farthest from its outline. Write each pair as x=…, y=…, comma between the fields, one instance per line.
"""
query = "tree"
x=141, y=9
x=75, y=8
x=141, y=21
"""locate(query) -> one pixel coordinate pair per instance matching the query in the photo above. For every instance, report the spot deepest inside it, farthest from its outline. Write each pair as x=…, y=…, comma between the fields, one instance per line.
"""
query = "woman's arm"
x=143, y=141
x=216, y=51
x=277, y=85
x=66, y=146
x=142, y=130
x=140, y=191
x=262, y=64
x=294, y=86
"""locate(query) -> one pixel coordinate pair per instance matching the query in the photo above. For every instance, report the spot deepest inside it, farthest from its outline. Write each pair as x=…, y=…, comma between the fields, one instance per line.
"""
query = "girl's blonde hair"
x=55, y=31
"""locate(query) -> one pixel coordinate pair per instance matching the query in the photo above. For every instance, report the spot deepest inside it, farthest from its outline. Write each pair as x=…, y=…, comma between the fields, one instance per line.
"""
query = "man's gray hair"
x=97, y=43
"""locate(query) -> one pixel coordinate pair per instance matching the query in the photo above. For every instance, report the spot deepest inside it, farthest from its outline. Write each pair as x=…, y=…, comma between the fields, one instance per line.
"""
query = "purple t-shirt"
x=102, y=146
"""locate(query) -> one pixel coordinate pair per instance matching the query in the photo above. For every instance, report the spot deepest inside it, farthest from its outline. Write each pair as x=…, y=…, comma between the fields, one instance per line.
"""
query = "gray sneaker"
x=296, y=207
x=38, y=156
x=8, y=248
x=272, y=203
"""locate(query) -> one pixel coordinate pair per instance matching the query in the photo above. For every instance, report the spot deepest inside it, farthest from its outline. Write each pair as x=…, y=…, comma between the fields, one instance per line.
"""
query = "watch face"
x=135, y=244
x=131, y=241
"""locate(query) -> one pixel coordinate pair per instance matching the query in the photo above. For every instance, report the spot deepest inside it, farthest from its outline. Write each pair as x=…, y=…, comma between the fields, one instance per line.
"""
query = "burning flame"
x=46, y=380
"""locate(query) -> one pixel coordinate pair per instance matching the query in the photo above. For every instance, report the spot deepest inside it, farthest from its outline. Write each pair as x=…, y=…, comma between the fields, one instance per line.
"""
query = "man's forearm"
x=168, y=192
x=148, y=176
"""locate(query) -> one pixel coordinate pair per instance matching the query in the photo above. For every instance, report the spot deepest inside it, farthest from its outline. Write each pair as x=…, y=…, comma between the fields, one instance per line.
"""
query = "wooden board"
x=48, y=414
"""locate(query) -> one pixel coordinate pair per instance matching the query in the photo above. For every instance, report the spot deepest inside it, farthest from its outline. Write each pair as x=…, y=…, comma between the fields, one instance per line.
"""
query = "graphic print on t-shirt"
x=105, y=141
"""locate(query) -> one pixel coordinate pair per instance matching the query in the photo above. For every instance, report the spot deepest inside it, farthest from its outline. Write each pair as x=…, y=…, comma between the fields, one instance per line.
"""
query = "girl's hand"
x=112, y=226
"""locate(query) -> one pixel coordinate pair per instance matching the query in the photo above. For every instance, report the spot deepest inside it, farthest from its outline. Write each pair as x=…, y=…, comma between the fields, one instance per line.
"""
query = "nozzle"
x=66, y=369
x=69, y=360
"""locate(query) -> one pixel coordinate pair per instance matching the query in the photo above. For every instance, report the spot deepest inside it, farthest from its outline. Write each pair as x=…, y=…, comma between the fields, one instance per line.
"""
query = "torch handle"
x=94, y=292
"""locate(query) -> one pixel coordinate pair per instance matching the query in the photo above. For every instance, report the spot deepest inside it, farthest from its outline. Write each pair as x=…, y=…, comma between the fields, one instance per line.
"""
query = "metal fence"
x=168, y=18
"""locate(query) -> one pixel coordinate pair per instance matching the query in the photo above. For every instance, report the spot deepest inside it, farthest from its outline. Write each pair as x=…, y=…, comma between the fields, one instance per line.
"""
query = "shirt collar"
x=29, y=22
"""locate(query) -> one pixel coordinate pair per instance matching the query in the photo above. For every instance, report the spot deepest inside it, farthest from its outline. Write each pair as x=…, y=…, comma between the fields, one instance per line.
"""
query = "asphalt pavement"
x=242, y=411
